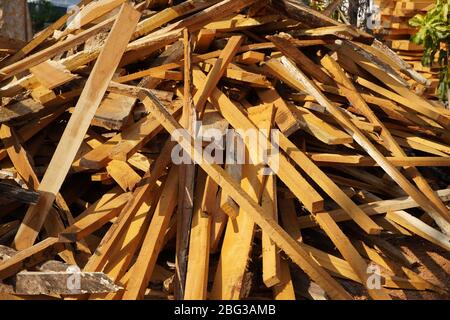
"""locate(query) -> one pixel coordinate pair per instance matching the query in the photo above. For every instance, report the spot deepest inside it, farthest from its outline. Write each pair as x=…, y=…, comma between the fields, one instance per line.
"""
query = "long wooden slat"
x=146, y=260
x=373, y=208
x=78, y=124
x=199, y=243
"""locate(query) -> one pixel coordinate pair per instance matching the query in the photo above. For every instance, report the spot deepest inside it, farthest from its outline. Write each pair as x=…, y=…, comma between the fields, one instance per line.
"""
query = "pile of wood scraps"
x=101, y=117
x=395, y=30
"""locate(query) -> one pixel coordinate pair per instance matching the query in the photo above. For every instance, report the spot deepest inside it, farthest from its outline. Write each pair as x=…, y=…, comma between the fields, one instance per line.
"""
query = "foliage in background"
x=43, y=13
x=434, y=36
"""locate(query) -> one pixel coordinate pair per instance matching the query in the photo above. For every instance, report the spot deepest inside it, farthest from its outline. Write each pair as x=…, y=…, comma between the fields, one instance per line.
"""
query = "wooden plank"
x=350, y=254
x=278, y=235
x=272, y=270
x=285, y=289
x=198, y=263
x=186, y=176
x=146, y=260
x=373, y=208
x=77, y=126
x=123, y=174
x=420, y=228
x=114, y=111
x=250, y=57
x=220, y=66
x=414, y=102
x=204, y=39
x=52, y=74
x=237, y=245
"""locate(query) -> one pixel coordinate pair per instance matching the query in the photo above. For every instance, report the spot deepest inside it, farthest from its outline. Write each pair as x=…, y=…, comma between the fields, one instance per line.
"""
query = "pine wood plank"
x=146, y=260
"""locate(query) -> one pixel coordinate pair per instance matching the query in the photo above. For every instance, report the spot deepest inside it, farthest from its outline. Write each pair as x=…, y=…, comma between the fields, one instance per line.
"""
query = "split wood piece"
x=152, y=245
x=272, y=270
x=389, y=142
x=88, y=14
x=332, y=159
x=199, y=242
x=217, y=71
x=304, y=62
x=149, y=182
x=278, y=162
x=226, y=207
x=36, y=283
x=204, y=39
x=237, y=244
x=172, y=54
x=123, y=253
x=364, y=142
x=241, y=22
x=276, y=233
x=51, y=74
x=285, y=117
x=114, y=111
x=30, y=257
x=132, y=91
x=123, y=174
x=250, y=57
x=125, y=143
x=18, y=156
x=373, y=208
x=289, y=219
x=42, y=94
x=285, y=289
x=78, y=124
x=263, y=117
x=186, y=176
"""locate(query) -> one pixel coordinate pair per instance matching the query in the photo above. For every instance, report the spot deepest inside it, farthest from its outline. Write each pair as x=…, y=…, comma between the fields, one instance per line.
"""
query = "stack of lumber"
x=396, y=32
x=93, y=204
